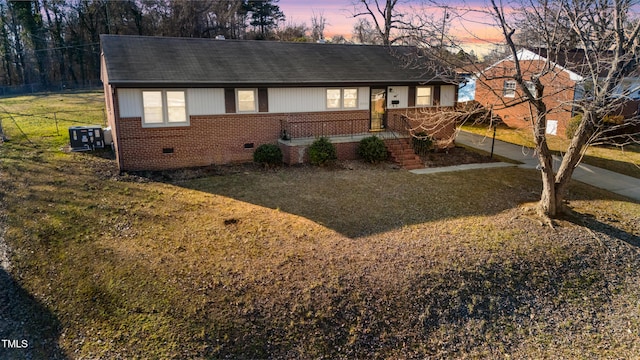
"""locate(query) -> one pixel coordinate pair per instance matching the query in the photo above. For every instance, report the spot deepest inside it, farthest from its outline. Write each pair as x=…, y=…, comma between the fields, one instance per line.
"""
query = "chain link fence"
x=7, y=91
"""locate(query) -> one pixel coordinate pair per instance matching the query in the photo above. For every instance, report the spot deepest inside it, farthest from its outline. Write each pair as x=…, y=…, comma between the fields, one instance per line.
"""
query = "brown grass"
x=302, y=262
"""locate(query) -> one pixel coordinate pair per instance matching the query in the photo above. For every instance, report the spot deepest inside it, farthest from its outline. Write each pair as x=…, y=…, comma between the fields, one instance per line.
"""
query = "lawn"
x=303, y=262
x=624, y=160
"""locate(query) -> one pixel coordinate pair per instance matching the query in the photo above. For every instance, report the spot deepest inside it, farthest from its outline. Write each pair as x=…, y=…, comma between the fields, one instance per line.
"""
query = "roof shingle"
x=153, y=61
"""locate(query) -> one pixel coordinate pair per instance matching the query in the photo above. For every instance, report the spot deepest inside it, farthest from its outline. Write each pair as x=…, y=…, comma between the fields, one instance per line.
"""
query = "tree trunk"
x=550, y=200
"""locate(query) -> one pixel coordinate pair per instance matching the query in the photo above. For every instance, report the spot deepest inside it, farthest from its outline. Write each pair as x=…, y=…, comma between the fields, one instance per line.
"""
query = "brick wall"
x=559, y=90
x=219, y=139
x=327, y=123
x=228, y=138
x=299, y=154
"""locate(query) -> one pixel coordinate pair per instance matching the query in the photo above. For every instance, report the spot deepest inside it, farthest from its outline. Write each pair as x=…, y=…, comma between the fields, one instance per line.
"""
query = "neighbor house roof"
x=154, y=61
x=528, y=55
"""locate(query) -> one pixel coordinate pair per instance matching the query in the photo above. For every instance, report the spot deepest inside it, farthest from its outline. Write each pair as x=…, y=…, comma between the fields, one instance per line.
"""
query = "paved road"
x=620, y=184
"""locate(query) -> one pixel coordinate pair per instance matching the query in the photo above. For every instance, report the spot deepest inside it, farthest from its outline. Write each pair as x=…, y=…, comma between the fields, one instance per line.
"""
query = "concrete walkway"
x=620, y=184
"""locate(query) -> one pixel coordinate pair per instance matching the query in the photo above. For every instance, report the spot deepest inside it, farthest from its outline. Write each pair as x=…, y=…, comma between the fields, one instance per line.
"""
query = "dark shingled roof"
x=153, y=61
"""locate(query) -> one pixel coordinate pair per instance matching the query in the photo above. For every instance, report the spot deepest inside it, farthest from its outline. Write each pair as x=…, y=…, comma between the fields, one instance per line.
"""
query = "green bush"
x=422, y=143
x=268, y=155
x=572, y=126
x=322, y=151
x=372, y=149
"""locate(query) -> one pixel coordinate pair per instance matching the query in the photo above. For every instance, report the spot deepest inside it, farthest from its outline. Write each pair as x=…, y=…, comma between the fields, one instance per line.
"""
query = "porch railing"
x=399, y=126
x=294, y=129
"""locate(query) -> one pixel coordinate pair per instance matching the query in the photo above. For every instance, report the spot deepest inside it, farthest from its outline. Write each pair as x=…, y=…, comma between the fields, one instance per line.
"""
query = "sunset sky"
x=474, y=29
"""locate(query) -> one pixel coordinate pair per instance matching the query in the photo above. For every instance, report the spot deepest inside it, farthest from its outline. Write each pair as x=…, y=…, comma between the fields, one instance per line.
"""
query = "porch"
x=297, y=136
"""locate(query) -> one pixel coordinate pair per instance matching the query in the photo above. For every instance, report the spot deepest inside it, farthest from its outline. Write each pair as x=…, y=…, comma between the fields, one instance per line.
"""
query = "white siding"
x=364, y=98
x=130, y=102
x=286, y=100
x=205, y=101
x=400, y=94
x=291, y=100
x=447, y=95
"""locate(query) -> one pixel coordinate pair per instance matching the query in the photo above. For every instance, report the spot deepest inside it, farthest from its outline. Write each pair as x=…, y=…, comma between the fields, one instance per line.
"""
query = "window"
x=509, y=88
x=176, y=107
x=342, y=98
x=350, y=98
x=164, y=108
x=424, y=96
x=532, y=88
x=247, y=100
x=333, y=98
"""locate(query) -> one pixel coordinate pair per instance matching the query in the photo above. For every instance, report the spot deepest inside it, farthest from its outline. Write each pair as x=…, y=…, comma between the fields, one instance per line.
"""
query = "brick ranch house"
x=184, y=102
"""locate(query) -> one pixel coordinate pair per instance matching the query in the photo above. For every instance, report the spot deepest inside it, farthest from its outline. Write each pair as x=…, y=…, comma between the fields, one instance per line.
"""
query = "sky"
x=473, y=31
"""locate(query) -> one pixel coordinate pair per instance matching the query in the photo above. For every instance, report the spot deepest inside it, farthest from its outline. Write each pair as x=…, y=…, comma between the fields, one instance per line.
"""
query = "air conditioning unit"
x=86, y=138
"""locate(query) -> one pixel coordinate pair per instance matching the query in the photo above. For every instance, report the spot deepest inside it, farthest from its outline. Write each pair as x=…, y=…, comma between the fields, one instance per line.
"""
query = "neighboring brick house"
x=184, y=102
x=495, y=88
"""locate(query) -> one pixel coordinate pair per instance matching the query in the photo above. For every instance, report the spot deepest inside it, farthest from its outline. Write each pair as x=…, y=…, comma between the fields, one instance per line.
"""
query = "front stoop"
x=401, y=152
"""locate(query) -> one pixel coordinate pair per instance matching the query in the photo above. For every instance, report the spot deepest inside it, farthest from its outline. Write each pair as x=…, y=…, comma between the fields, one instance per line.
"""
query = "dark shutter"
x=436, y=95
x=412, y=96
x=263, y=100
x=229, y=100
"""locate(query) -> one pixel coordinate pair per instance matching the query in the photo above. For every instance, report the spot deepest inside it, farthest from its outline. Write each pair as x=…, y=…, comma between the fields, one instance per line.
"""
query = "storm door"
x=378, y=108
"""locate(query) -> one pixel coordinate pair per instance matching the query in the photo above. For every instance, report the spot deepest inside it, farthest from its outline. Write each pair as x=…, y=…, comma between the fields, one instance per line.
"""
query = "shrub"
x=372, y=149
x=268, y=155
x=422, y=143
x=572, y=126
x=322, y=151
x=607, y=120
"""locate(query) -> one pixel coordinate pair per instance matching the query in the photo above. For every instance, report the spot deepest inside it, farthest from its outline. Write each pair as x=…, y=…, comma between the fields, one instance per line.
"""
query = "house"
x=563, y=86
x=497, y=90
x=185, y=102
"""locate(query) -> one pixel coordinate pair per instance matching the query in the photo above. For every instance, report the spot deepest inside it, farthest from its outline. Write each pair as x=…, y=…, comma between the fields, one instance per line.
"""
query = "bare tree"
x=608, y=38
x=388, y=21
x=291, y=32
x=364, y=33
x=318, y=23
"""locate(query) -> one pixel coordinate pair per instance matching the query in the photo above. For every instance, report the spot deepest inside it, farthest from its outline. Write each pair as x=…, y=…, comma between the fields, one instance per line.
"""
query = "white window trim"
x=509, y=89
x=341, y=100
x=255, y=101
x=430, y=96
x=165, y=109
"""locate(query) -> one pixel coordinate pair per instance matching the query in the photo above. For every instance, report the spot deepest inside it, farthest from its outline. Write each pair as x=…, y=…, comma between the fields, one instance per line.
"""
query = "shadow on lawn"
x=27, y=329
x=373, y=200
x=590, y=222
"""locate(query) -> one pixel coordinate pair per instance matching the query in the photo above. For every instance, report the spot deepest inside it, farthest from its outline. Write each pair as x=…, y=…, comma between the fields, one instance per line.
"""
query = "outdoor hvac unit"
x=85, y=138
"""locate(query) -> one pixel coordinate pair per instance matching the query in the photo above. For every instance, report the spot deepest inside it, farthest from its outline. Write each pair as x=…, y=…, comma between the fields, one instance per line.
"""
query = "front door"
x=378, y=108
